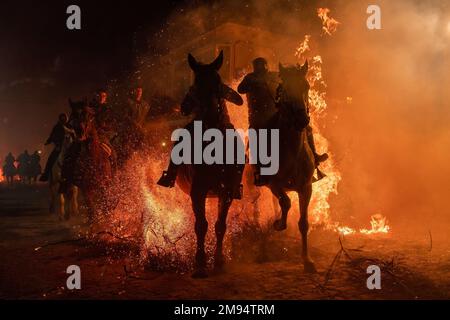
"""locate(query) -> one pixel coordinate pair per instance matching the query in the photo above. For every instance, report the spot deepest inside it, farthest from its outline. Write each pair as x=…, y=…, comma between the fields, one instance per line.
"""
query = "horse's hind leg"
x=74, y=201
x=220, y=228
x=198, y=197
x=285, y=204
x=303, y=225
x=71, y=197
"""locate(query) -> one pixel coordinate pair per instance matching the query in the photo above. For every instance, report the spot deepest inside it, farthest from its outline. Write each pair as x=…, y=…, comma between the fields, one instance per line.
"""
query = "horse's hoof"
x=310, y=267
x=280, y=225
x=200, y=274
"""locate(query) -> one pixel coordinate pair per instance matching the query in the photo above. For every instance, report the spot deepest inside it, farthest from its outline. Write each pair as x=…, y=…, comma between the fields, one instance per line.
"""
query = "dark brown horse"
x=206, y=99
x=296, y=159
x=87, y=164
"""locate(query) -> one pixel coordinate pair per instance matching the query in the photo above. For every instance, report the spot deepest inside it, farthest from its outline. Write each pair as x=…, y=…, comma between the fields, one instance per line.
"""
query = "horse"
x=296, y=159
x=22, y=170
x=206, y=99
x=9, y=171
x=57, y=199
x=87, y=164
x=35, y=169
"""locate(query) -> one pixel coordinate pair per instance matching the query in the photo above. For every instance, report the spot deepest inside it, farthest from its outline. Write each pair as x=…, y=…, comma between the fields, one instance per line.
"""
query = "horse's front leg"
x=303, y=225
x=220, y=228
x=198, y=197
x=285, y=204
x=71, y=196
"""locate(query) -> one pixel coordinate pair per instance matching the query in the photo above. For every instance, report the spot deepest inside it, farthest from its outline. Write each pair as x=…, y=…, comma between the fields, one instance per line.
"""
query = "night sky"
x=42, y=63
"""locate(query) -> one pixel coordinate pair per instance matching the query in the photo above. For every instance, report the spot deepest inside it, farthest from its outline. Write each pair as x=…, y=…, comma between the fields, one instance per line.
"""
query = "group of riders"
x=119, y=127
x=27, y=167
x=262, y=88
x=93, y=143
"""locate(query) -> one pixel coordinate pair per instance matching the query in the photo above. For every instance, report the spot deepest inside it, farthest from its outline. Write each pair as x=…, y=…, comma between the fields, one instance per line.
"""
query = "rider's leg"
x=169, y=176
x=49, y=165
x=318, y=157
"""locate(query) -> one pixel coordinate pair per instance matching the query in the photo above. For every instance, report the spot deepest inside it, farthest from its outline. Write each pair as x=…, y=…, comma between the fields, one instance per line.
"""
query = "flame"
x=2, y=178
x=320, y=207
x=163, y=217
x=303, y=47
x=329, y=25
x=378, y=225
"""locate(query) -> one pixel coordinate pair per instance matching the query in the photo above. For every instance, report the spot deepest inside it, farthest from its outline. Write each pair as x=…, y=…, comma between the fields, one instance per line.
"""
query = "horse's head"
x=294, y=93
x=207, y=79
x=207, y=83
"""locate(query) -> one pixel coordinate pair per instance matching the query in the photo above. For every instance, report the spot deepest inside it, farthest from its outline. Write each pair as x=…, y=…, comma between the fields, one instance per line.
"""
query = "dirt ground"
x=412, y=268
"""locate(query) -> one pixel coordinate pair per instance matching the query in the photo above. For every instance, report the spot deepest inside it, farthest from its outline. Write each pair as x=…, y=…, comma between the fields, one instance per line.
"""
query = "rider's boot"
x=319, y=158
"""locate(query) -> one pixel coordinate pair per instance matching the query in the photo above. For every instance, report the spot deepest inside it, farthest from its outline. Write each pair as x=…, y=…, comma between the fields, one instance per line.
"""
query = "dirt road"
x=411, y=268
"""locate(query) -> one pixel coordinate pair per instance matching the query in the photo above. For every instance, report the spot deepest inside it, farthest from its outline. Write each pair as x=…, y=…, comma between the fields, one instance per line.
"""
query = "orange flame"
x=378, y=225
x=329, y=25
x=320, y=207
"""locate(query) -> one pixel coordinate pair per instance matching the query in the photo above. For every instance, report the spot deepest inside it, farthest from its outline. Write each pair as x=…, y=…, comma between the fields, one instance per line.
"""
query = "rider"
x=9, y=169
x=260, y=87
x=35, y=165
x=138, y=108
x=57, y=138
x=9, y=160
x=135, y=116
x=24, y=164
x=104, y=121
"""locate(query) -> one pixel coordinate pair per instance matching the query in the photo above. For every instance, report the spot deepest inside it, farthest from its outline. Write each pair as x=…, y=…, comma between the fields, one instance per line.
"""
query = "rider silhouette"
x=57, y=139
x=9, y=160
x=138, y=108
x=9, y=169
x=260, y=87
x=24, y=164
x=35, y=166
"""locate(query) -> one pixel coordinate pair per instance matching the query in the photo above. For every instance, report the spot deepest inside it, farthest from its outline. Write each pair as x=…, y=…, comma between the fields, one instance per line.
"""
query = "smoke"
x=387, y=116
x=394, y=137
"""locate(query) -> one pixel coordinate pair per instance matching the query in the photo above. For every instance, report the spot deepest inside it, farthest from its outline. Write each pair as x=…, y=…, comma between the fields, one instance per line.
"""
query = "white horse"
x=58, y=200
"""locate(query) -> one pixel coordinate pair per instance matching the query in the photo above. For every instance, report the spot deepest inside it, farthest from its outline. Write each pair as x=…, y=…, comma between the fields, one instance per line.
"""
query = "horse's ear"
x=305, y=67
x=192, y=62
x=217, y=64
